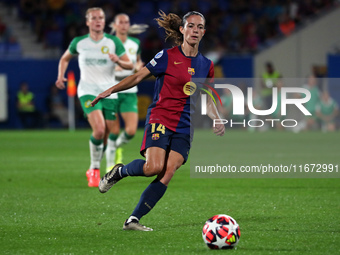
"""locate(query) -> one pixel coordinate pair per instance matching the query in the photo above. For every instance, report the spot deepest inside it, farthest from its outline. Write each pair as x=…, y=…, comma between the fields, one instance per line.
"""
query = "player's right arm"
x=126, y=83
x=63, y=64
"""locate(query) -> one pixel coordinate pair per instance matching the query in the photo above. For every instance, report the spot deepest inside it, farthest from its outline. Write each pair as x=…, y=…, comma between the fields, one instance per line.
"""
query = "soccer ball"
x=221, y=232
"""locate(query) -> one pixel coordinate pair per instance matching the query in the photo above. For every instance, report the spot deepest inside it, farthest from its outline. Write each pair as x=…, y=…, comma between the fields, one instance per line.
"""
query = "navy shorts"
x=157, y=135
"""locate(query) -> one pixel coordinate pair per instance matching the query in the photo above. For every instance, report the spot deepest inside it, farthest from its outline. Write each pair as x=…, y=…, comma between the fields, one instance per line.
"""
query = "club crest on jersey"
x=132, y=51
x=155, y=136
x=105, y=50
x=88, y=104
x=191, y=71
x=189, y=88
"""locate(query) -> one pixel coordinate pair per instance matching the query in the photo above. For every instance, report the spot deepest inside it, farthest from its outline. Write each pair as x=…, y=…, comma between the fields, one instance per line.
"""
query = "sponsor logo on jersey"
x=191, y=71
x=94, y=61
x=105, y=50
x=189, y=88
x=155, y=136
x=159, y=54
x=153, y=62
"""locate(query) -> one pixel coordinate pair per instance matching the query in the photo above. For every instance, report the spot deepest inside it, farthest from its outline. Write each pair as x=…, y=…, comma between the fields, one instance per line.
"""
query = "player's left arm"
x=213, y=114
x=212, y=111
x=123, y=61
x=119, y=56
x=125, y=84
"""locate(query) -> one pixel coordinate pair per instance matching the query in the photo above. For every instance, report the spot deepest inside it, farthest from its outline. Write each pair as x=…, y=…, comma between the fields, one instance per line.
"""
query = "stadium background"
x=46, y=206
x=52, y=25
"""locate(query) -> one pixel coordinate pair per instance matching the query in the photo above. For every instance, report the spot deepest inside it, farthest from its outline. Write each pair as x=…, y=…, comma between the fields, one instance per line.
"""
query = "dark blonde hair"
x=87, y=15
x=172, y=22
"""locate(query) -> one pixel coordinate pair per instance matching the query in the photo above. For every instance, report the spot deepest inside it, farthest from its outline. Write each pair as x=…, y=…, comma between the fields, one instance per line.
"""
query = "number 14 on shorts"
x=159, y=128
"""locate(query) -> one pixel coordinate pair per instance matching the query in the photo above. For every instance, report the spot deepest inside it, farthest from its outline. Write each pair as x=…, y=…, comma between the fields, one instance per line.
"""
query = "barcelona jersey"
x=174, y=95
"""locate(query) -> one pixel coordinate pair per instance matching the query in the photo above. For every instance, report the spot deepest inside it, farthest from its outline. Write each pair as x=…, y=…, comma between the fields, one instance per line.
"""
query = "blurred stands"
x=9, y=47
x=35, y=33
x=233, y=26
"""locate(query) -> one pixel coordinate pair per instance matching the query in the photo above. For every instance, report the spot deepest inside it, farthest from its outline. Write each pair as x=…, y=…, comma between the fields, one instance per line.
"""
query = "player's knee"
x=99, y=132
x=153, y=168
x=130, y=131
x=115, y=130
x=169, y=173
x=167, y=178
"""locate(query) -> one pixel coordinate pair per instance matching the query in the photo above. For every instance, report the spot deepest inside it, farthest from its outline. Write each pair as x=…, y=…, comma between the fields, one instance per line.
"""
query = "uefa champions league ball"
x=221, y=232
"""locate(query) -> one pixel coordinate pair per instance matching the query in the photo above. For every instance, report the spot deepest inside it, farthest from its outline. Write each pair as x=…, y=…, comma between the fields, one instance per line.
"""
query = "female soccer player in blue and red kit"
x=166, y=141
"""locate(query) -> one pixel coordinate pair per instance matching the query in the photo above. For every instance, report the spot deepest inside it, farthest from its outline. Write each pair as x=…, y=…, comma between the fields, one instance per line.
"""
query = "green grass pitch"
x=47, y=208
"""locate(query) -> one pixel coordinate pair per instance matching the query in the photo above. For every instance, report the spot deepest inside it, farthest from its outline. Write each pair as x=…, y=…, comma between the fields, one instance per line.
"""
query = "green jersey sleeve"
x=137, y=41
x=73, y=46
x=120, y=50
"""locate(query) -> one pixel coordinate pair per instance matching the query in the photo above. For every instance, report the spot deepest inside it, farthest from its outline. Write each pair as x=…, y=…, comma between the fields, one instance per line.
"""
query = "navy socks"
x=151, y=195
x=134, y=168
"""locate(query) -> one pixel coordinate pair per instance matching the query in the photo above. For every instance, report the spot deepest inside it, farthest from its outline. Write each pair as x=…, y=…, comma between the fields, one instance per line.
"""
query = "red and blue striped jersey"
x=174, y=97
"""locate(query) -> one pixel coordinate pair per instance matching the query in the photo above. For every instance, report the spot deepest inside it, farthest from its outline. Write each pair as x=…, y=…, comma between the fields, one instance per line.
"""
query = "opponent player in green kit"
x=98, y=55
x=127, y=100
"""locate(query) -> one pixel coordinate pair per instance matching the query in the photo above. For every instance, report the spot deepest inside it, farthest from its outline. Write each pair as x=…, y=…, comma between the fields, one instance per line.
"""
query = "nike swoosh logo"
x=177, y=63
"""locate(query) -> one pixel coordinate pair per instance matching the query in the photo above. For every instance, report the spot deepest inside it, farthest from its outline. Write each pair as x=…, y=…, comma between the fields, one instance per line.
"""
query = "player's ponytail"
x=171, y=24
x=134, y=29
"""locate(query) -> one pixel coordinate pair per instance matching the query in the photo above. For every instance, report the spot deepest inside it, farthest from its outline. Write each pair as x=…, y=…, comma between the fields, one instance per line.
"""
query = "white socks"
x=110, y=153
x=122, y=139
x=96, y=153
